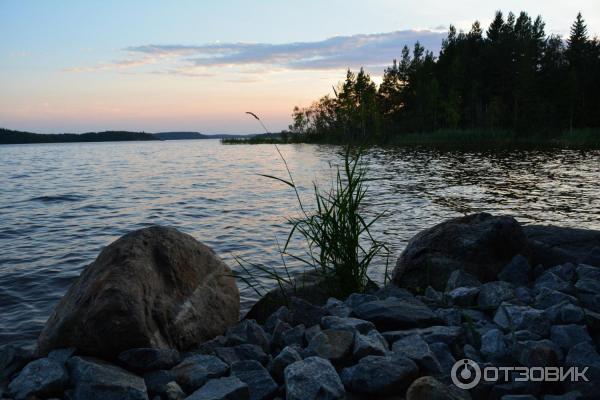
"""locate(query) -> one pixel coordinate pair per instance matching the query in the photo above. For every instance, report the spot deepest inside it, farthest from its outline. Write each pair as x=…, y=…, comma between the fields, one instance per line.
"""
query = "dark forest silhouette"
x=513, y=78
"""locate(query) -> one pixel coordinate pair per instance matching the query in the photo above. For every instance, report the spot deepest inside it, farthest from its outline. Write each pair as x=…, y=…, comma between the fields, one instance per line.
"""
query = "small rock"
x=248, y=332
x=337, y=308
x=580, y=356
x=567, y=336
x=451, y=316
x=348, y=324
x=229, y=388
x=588, y=272
x=243, y=352
x=524, y=295
x=371, y=344
x=332, y=344
x=539, y=353
x=280, y=328
x=429, y=388
x=392, y=291
x=377, y=375
x=285, y=357
x=62, y=355
x=294, y=336
x=517, y=271
x=174, y=392
x=12, y=359
x=565, y=271
x=459, y=278
x=415, y=348
x=493, y=346
x=260, y=383
x=356, y=299
x=552, y=281
x=95, y=379
x=462, y=296
x=511, y=317
x=492, y=294
x=311, y=379
x=282, y=314
x=303, y=312
x=521, y=336
x=547, y=298
x=392, y=313
x=442, y=353
x=571, y=314
x=196, y=370
x=432, y=296
x=149, y=359
x=309, y=333
x=566, y=396
x=43, y=377
x=208, y=347
x=157, y=381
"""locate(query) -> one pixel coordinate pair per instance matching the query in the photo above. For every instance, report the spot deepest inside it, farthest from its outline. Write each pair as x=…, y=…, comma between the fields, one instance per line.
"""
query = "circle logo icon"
x=465, y=374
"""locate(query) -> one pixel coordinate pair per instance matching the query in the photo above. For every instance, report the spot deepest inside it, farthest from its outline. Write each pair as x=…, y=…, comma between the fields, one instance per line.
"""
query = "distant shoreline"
x=19, y=137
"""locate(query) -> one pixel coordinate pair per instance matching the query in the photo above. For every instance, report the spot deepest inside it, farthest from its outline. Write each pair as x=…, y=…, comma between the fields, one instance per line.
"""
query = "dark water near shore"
x=61, y=203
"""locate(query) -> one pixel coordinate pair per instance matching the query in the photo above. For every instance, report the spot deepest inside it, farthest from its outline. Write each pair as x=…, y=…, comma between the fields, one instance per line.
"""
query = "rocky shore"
x=156, y=316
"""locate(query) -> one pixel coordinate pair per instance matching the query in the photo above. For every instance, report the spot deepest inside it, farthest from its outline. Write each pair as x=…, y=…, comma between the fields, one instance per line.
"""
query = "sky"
x=80, y=66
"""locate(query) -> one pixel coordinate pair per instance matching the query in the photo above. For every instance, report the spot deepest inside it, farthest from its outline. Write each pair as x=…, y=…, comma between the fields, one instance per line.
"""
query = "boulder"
x=96, y=380
x=313, y=378
x=155, y=287
x=42, y=378
x=480, y=244
x=554, y=245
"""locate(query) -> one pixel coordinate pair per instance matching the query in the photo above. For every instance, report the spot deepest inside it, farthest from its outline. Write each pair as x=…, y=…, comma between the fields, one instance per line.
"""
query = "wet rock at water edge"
x=43, y=378
x=155, y=287
x=311, y=379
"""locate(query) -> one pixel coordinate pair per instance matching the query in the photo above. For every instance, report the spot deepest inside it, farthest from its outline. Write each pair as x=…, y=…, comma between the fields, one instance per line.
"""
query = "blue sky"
x=197, y=65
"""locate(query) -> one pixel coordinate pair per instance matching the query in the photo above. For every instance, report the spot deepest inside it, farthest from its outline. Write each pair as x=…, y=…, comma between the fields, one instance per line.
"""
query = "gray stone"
x=538, y=353
x=511, y=317
x=547, y=298
x=229, y=388
x=349, y=324
x=96, y=380
x=392, y=313
x=280, y=328
x=493, y=346
x=248, y=332
x=371, y=344
x=521, y=336
x=43, y=378
x=309, y=333
x=12, y=359
x=311, y=379
x=337, y=308
x=588, y=285
x=588, y=272
x=571, y=314
x=174, y=392
x=451, y=316
x=585, y=355
x=574, y=395
x=285, y=357
x=459, y=278
x=209, y=346
x=156, y=381
x=62, y=355
x=429, y=388
x=415, y=348
x=332, y=344
x=433, y=296
x=195, y=371
x=492, y=294
x=445, y=334
x=282, y=314
x=303, y=312
x=260, y=383
x=552, y=281
x=294, y=336
x=462, y=296
x=392, y=291
x=471, y=353
x=243, y=352
x=516, y=272
x=155, y=287
x=356, y=299
x=524, y=295
x=567, y=336
x=377, y=375
x=566, y=271
x=442, y=353
x=149, y=359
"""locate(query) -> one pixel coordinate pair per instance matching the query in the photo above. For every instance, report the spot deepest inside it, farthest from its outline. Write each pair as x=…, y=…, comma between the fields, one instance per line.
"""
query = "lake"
x=61, y=203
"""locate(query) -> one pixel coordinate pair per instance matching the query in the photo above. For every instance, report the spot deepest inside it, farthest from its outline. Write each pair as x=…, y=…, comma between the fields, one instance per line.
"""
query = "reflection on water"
x=61, y=203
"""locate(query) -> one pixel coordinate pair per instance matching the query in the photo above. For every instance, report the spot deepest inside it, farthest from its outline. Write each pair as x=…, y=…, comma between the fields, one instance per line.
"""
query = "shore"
x=479, y=287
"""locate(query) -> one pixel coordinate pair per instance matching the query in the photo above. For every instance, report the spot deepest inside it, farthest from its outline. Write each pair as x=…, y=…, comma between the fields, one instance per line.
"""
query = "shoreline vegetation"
x=508, y=85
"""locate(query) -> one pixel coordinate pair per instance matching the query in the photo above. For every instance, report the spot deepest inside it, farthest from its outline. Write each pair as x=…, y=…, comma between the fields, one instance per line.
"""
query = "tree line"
x=513, y=77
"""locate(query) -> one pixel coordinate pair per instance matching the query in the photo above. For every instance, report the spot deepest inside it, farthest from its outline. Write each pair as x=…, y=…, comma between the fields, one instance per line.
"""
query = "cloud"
x=368, y=50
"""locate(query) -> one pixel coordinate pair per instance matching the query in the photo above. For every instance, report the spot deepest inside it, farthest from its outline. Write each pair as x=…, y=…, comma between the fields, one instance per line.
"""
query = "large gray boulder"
x=480, y=244
x=152, y=288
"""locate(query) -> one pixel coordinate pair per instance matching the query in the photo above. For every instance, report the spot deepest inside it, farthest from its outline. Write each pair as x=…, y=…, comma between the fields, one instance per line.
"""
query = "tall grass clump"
x=338, y=240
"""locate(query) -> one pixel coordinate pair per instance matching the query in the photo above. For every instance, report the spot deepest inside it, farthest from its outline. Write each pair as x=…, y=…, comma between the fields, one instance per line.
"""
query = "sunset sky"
x=77, y=66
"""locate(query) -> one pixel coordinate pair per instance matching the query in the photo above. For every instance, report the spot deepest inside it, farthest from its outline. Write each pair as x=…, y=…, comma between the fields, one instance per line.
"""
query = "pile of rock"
x=390, y=343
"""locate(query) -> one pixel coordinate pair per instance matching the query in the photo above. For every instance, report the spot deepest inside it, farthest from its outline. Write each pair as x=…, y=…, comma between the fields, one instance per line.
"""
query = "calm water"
x=61, y=203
